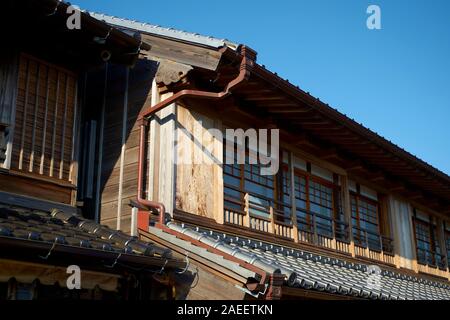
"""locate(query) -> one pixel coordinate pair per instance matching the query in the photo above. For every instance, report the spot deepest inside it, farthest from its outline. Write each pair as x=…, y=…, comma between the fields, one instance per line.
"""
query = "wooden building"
x=344, y=202
x=98, y=144
x=55, y=83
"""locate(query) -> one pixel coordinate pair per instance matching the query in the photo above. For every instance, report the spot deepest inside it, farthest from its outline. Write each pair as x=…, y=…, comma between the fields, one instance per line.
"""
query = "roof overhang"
x=313, y=126
x=42, y=25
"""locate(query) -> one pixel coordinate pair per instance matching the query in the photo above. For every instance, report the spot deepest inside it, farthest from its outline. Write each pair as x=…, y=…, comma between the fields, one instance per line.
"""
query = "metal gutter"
x=93, y=255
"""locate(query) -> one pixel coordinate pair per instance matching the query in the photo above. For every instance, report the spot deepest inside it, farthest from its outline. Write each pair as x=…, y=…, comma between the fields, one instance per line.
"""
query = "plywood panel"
x=197, y=168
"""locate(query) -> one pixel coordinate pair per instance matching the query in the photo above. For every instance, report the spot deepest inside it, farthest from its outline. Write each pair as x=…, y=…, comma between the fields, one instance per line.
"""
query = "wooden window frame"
x=433, y=240
x=360, y=197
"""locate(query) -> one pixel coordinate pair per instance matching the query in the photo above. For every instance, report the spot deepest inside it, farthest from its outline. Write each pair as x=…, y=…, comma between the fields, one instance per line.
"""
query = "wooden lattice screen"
x=45, y=120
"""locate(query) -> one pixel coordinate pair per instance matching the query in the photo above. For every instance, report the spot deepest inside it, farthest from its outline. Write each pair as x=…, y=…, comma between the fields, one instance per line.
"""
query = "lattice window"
x=45, y=119
x=365, y=218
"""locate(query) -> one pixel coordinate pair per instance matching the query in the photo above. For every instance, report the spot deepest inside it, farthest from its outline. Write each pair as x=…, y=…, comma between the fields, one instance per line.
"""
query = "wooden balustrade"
x=267, y=215
x=432, y=262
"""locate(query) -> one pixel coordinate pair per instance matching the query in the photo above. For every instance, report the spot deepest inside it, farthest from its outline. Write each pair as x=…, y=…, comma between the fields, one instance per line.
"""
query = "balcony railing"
x=431, y=258
x=263, y=214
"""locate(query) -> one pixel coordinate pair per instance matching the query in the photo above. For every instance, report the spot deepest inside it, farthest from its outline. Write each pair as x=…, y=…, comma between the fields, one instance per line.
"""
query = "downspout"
x=247, y=62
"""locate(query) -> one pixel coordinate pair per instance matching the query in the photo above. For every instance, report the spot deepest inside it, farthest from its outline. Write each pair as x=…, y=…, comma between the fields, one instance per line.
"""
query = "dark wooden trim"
x=28, y=185
x=33, y=203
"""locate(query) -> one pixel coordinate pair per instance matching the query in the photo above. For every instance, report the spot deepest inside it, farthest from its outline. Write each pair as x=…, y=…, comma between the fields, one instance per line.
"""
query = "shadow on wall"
x=101, y=155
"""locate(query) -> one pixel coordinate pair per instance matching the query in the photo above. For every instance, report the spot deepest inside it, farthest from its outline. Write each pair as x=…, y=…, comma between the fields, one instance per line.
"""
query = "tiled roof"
x=71, y=230
x=316, y=272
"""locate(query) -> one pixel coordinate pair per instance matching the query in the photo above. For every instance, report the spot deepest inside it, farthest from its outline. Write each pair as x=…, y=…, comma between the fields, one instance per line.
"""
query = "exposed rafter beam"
x=329, y=153
x=356, y=165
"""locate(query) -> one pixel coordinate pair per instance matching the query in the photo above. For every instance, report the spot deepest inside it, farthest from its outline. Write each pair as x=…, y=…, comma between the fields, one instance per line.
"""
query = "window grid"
x=365, y=218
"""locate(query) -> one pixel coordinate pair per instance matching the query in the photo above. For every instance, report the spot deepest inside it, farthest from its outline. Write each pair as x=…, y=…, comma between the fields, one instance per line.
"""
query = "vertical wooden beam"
x=63, y=133
x=247, y=210
x=166, y=179
x=134, y=215
x=123, y=149
x=55, y=121
x=315, y=235
x=153, y=149
x=272, y=220
x=36, y=108
x=73, y=170
x=293, y=201
x=345, y=194
x=218, y=175
x=440, y=233
x=44, y=130
x=100, y=147
x=415, y=265
x=24, y=119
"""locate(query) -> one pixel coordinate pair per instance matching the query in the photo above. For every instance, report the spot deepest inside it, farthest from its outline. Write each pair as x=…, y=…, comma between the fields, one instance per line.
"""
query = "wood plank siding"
x=119, y=171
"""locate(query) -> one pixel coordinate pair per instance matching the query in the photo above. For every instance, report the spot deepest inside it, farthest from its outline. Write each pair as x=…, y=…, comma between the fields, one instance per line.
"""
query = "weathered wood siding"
x=199, y=183
x=113, y=207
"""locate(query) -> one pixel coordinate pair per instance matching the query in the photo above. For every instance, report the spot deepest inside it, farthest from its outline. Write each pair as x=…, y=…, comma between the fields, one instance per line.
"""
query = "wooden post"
x=345, y=193
x=24, y=120
x=315, y=236
x=247, y=211
x=382, y=249
x=367, y=251
x=293, y=202
x=333, y=232
x=123, y=150
x=440, y=233
x=272, y=222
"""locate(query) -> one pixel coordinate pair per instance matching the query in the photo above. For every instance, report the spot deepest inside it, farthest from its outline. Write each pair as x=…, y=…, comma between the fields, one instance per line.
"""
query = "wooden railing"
x=369, y=244
x=322, y=230
x=263, y=214
x=432, y=262
x=258, y=213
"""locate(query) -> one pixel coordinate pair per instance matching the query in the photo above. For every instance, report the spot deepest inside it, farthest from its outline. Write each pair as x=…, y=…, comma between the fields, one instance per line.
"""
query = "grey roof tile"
x=72, y=230
x=317, y=272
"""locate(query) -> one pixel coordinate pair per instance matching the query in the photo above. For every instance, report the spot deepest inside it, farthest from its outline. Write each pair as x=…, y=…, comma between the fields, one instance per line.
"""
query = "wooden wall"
x=119, y=168
x=199, y=175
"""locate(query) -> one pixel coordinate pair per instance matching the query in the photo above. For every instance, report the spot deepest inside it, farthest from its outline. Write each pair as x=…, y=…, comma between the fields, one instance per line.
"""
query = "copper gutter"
x=247, y=63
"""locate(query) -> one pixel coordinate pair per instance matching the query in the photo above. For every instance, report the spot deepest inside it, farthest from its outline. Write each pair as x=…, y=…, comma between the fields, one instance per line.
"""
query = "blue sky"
x=396, y=80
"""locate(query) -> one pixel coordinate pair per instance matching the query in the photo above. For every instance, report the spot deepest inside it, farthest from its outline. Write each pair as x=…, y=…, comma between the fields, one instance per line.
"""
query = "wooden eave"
x=40, y=27
x=271, y=97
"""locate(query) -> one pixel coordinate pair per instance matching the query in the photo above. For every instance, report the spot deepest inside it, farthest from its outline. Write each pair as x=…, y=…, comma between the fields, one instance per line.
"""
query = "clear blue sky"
x=396, y=80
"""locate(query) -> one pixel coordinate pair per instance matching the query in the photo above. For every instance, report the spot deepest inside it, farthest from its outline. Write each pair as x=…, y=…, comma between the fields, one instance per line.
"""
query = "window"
x=317, y=198
x=240, y=179
x=365, y=220
x=447, y=242
x=427, y=242
x=318, y=204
